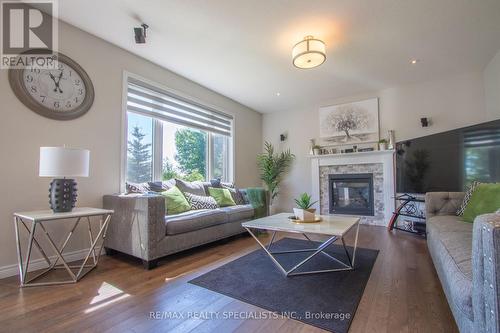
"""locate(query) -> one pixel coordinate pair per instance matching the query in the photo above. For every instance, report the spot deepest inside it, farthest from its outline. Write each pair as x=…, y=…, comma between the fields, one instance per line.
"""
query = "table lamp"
x=63, y=164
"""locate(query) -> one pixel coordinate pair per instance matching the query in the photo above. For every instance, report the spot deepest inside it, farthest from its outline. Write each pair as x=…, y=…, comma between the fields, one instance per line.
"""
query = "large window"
x=171, y=137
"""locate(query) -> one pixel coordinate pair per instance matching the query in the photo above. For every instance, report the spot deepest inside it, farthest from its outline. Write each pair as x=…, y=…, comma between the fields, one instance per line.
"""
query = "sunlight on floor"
x=171, y=279
x=106, y=295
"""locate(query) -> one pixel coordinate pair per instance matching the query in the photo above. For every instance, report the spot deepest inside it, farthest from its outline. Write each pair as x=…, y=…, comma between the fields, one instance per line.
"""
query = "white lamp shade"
x=64, y=162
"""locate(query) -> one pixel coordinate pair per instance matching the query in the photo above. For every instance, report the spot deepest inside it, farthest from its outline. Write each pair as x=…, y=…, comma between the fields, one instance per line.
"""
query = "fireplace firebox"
x=351, y=194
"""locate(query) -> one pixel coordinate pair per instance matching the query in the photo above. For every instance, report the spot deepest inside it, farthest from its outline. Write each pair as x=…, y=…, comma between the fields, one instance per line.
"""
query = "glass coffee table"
x=333, y=227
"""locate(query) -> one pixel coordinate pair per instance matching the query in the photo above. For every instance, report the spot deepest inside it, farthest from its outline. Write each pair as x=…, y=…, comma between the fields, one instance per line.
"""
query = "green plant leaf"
x=273, y=166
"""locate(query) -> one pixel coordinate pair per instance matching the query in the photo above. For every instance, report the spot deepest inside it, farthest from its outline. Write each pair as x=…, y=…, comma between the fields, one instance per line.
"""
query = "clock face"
x=61, y=90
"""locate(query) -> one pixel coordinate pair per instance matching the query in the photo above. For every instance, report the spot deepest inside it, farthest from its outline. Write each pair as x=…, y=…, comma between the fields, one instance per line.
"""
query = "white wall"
x=22, y=132
x=450, y=103
x=492, y=87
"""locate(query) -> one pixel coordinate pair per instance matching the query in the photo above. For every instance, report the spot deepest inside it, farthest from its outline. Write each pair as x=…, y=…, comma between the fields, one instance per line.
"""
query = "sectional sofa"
x=141, y=226
x=467, y=260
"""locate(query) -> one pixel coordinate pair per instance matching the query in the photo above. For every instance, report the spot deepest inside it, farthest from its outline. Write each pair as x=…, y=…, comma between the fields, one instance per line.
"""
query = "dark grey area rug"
x=327, y=300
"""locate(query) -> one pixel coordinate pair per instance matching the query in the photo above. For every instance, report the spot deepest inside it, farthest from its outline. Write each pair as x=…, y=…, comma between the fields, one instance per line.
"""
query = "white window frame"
x=157, y=132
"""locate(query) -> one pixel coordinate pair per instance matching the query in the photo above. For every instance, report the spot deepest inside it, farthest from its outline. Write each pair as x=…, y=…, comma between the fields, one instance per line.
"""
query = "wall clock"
x=63, y=93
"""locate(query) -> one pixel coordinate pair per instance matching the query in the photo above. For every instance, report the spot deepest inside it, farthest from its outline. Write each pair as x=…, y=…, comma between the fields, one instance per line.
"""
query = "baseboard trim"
x=12, y=270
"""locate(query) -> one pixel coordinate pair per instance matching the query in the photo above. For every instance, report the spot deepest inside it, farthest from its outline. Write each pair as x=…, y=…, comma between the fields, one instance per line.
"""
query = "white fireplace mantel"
x=385, y=157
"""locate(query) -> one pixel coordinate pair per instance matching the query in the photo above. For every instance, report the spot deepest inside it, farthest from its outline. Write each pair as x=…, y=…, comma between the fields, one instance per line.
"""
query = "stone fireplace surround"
x=378, y=163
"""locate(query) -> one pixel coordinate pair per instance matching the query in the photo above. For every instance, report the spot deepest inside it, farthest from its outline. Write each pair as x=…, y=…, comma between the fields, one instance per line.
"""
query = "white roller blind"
x=150, y=101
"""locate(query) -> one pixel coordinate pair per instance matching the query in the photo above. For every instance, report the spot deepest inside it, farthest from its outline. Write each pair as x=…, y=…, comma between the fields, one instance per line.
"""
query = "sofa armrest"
x=137, y=225
x=486, y=273
x=266, y=199
x=442, y=203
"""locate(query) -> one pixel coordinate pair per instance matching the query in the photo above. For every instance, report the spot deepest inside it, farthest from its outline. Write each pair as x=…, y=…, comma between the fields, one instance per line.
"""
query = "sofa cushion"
x=222, y=196
x=452, y=245
x=175, y=201
x=442, y=203
x=195, y=188
x=136, y=187
x=194, y=220
x=439, y=223
x=201, y=201
x=215, y=183
x=236, y=195
x=239, y=212
x=161, y=186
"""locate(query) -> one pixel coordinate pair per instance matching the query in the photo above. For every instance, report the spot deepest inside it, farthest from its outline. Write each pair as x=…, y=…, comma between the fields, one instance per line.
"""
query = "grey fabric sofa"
x=141, y=227
x=467, y=260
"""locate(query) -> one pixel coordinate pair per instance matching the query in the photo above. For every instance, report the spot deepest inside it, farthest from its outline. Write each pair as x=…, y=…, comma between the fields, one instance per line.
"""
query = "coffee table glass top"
x=329, y=225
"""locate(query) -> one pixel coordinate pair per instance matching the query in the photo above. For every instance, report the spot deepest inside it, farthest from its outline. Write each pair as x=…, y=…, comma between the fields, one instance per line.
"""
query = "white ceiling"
x=242, y=49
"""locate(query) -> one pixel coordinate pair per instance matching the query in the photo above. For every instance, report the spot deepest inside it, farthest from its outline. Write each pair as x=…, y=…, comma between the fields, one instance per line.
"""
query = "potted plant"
x=316, y=149
x=304, y=212
x=382, y=144
x=272, y=168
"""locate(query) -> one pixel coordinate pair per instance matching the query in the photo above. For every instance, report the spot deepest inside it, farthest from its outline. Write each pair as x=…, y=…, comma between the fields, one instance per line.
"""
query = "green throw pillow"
x=485, y=199
x=175, y=201
x=222, y=196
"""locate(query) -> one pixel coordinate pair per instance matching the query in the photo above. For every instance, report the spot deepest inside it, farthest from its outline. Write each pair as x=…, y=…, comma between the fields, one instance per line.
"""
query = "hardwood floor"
x=402, y=295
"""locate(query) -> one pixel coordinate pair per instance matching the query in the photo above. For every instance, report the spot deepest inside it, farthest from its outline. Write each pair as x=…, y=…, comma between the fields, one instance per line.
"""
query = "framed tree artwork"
x=351, y=123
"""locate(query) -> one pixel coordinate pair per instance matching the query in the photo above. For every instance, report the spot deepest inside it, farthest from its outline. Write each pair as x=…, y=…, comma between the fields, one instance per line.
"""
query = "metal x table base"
x=75, y=272
x=346, y=266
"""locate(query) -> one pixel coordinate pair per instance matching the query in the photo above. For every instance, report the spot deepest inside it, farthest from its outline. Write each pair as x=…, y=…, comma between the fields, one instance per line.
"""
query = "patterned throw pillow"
x=136, y=187
x=201, y=201
x=472, y=187
x=227, y=185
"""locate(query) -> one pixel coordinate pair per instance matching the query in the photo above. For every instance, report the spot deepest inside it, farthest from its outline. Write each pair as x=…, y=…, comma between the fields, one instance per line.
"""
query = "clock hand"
x=56, y=84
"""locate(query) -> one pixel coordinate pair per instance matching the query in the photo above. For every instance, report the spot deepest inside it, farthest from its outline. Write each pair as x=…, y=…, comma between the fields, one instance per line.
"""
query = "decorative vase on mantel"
x=392, y=139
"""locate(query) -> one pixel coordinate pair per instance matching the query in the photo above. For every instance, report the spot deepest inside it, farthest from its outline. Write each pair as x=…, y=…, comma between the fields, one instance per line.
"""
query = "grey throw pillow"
x=201, y=201
x=195, y=188
x=215, y=183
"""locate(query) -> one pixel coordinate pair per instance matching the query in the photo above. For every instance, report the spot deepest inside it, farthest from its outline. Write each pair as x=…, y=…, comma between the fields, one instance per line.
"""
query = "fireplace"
x=351, y=194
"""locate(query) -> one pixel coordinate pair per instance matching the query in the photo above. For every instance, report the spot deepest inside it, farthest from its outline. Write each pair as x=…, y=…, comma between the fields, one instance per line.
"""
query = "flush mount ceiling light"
x=309, y=53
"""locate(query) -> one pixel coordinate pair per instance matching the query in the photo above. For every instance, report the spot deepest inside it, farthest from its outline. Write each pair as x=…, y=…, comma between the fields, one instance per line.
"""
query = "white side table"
x=30, y=221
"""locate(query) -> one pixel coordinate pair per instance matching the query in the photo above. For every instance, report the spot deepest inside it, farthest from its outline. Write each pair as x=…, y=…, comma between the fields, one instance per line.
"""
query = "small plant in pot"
x=316, y=149
x=382, y=144
x=304, y=212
